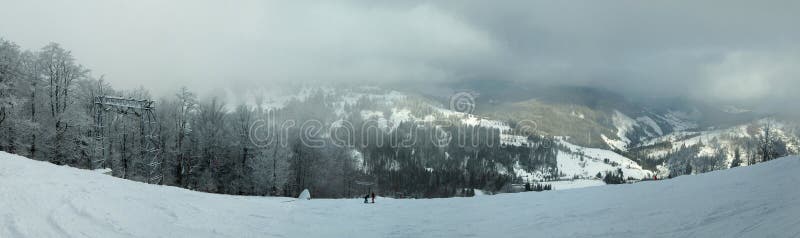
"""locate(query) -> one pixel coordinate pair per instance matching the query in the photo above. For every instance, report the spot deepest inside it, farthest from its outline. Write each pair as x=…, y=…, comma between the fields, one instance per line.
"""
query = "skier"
x=366, y=197
x=373, y=197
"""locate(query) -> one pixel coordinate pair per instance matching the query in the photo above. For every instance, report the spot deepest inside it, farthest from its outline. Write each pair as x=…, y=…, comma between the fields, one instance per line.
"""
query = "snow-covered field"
x=38, y=199
x=575, y=183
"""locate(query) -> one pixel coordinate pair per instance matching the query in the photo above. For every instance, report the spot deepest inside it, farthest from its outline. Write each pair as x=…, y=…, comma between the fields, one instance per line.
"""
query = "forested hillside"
x=208, y=145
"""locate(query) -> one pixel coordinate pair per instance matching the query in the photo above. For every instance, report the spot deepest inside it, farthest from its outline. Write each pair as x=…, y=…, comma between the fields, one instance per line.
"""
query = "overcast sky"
x=719, y=50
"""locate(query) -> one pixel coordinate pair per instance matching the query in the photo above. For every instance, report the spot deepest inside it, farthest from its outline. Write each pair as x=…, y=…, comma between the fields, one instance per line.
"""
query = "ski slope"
x=38, y=199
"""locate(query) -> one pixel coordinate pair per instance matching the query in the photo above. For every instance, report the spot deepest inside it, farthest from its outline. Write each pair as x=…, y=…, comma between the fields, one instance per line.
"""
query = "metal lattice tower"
x=149, y=130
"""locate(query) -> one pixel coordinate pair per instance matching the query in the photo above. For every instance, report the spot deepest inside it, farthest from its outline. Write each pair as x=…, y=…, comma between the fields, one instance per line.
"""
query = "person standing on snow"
x=366, y=197
x=373, y=197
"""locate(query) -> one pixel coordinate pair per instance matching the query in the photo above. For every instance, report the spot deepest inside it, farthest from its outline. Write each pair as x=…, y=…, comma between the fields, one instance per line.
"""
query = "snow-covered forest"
x=207, y=145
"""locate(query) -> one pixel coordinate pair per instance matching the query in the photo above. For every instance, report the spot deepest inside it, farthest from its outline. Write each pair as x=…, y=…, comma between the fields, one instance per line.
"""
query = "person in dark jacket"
x=366, y=198
x=373, y=197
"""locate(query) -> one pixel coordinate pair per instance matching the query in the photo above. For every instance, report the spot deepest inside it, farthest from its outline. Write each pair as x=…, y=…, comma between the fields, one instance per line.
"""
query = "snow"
x=720, y=140
x=573, y=184
x=707, y=150
x=358, y=160
x=578, y=115
x=679, y=121
x=515, y=140
x=473, y=120
x=338, y=97
x=106, y=171
x=392, y=122
x=663, y=171
x=304, y=195
x=500, y=168
x=570, y=163
x=615, y=144
x=671, y=137
x=535, y=175
x=692, y=138
x=400, y=115
x=367, y=114
x=624, y=125
x=38, y=199
x=652, y=124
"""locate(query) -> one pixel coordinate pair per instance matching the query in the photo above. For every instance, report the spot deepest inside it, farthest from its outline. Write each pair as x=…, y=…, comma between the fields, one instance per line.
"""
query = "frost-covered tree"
x=211, y=135
x=241, y=120
x=9, y=80
x=60, y=72
x=769, y=145
x=9, y=73
x=182, y=111
x=29, y=88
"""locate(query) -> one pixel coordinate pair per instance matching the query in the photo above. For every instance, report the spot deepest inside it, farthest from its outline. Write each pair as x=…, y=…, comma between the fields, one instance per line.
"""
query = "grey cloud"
x=712, y=50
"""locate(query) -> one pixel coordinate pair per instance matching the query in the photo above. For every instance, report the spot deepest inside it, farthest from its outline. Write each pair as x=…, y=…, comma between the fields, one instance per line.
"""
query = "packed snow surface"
x=38, y=199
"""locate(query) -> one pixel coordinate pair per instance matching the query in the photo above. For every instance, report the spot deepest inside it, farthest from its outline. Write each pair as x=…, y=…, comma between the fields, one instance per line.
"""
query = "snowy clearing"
x=573, y=184
x=38, y=199
x=593, y=162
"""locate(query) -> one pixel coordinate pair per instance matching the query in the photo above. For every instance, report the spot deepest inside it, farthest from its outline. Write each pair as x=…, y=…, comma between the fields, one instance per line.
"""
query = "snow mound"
x=38, y=199
x=305, y=195
x=106, y=171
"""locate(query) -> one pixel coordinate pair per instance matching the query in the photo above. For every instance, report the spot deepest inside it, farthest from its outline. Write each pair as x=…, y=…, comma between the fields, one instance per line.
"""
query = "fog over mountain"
x=715, y=51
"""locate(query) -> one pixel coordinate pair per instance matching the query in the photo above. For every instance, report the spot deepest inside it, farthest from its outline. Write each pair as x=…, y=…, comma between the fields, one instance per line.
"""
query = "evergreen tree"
x=688, y=170
x=737, y=160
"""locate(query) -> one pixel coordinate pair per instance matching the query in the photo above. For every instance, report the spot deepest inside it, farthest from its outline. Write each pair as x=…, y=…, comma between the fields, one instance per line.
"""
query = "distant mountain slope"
x=670, y=133
x=391, y=109
x=658, y=138
x=38, y=199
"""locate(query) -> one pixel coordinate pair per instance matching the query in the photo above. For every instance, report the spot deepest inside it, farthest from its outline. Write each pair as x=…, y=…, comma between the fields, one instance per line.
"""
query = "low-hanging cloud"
x=713, y=50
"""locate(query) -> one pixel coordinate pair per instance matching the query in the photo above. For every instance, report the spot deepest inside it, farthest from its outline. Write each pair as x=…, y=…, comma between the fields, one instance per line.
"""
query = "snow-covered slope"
x=722, y=141
x=630, y=132
x=587, y=162
x=38, y=199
